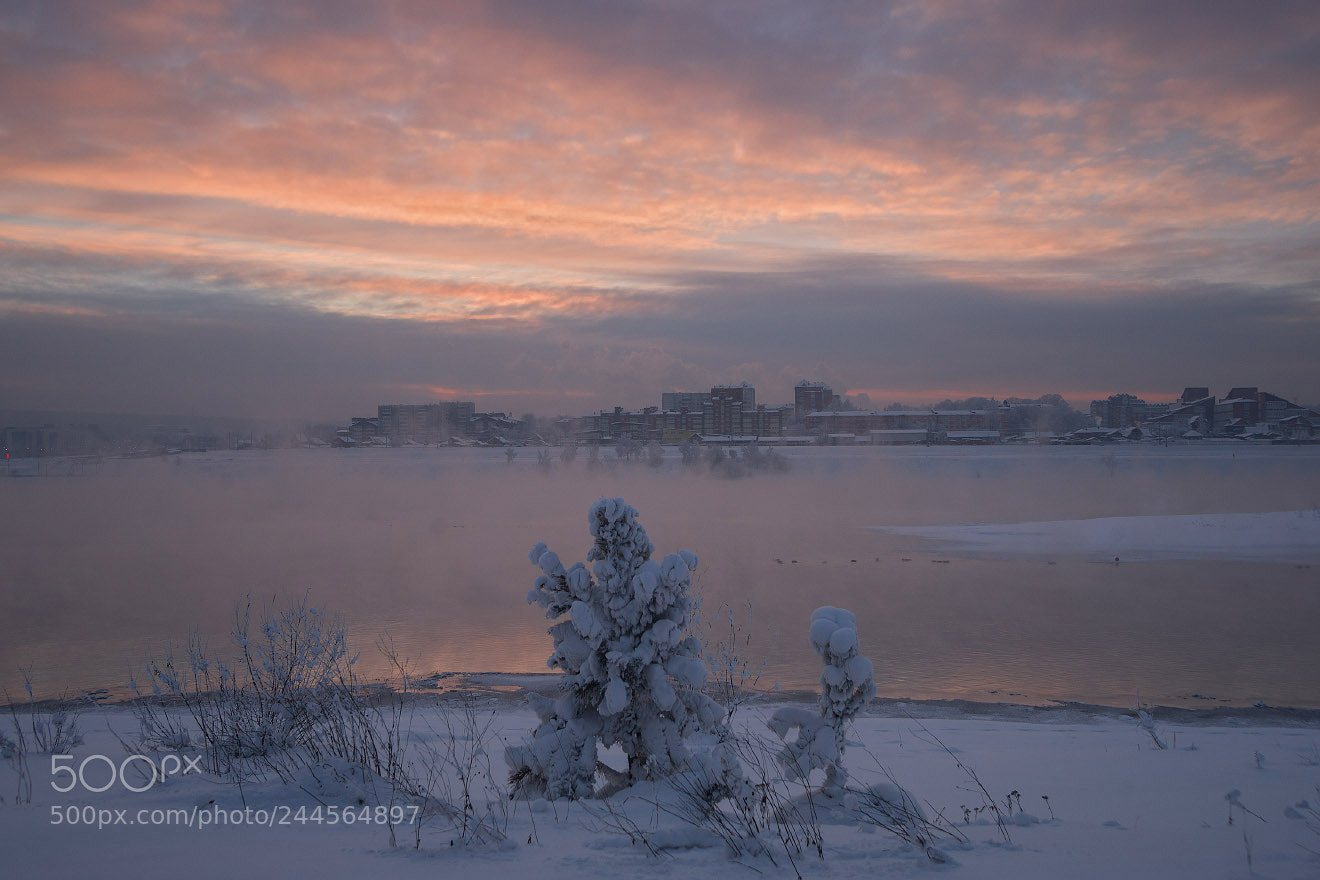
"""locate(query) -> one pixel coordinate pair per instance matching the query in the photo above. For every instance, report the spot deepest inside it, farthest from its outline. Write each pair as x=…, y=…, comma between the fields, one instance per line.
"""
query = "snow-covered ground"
x=1121, y=808
x=1283, y=536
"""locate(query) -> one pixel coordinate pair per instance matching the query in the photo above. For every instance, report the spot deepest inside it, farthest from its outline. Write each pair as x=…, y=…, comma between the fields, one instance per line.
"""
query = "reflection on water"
x=430, y=547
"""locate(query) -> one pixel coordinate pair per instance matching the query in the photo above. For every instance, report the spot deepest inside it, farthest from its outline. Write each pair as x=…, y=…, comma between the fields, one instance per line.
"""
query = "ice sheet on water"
x=1287, y=536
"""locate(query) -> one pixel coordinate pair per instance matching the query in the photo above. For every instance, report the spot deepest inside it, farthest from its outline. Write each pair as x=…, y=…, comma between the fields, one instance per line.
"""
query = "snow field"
x=1123, y=808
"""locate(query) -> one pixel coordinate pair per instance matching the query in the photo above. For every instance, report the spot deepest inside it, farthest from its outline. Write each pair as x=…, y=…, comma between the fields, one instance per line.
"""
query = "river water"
x=104, y=565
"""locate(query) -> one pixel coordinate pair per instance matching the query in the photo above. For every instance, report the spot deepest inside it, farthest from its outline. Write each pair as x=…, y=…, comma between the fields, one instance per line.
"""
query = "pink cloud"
x=484, y=163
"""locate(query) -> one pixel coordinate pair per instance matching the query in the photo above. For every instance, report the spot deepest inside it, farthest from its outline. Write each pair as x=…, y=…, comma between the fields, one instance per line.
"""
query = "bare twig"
x=989, y=802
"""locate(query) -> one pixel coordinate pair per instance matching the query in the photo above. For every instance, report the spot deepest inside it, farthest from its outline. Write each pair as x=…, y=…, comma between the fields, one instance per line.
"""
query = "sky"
x=306, y=209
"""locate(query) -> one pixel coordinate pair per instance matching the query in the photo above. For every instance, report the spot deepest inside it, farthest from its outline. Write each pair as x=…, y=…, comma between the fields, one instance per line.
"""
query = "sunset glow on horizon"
x=304, y=209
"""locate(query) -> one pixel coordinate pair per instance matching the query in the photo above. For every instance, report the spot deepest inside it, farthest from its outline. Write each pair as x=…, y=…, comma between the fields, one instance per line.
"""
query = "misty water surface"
x=429, y=547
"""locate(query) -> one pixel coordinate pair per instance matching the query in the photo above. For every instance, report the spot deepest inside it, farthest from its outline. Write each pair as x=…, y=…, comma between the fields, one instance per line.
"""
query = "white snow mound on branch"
x=847, y=683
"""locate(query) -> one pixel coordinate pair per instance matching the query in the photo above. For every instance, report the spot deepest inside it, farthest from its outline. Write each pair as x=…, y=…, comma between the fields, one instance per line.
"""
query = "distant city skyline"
x=301, y=210
x=855, y=401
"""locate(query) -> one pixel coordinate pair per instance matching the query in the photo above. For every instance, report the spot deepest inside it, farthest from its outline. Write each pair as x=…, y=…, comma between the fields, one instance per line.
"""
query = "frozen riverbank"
x=510, y=689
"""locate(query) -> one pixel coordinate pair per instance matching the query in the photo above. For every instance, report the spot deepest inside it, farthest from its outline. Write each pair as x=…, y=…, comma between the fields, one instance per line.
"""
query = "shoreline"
x=511, y=689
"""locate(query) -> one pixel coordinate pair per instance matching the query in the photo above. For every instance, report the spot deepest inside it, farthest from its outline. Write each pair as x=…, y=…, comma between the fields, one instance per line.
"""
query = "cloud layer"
x=584, y=204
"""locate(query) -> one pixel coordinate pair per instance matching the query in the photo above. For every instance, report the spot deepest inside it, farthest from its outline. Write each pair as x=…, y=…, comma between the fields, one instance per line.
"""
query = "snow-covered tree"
x=632, y=678
x=847, y=683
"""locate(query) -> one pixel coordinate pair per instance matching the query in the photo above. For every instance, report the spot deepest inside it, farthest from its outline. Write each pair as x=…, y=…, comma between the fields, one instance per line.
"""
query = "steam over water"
x=101, y=568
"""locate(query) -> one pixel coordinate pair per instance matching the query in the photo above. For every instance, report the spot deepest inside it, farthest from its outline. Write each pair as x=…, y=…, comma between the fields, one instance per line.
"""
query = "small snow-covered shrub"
x=632, y=676
x=454, y=779
x=813, y=746
x=1146, y=722
x=14, y=753
x=289, y=700
x=44, y=727
x=734, y=672
x=760, y=814
x=158, y=728
x=987, y=803
x=56, y=731
x=892, y=808
x=292, y=707
x=1308, y=813
x=38, y=728
x=754, y=813
x=847, y=683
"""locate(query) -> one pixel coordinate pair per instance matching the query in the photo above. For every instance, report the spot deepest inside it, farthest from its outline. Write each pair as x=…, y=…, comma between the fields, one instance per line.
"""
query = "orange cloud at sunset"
x=528, y=164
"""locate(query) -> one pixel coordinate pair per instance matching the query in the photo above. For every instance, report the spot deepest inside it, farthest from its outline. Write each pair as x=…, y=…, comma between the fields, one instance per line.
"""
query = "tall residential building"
x=1119, y=411
x=810, y=397
x=763, y=422
x=425, y=422
x=679, y=401
x=30, y=442
x=729, y=410
x=728, y=404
